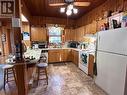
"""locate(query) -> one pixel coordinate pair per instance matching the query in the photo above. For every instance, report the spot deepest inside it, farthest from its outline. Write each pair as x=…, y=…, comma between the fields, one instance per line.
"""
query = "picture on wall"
x=26, y=36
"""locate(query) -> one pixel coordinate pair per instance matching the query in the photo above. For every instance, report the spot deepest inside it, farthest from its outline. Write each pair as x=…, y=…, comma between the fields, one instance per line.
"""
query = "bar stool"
x=9, y=74
x=42, y=70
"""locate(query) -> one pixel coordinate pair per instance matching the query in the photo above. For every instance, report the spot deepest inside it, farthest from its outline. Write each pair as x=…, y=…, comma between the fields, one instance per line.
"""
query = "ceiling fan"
x=70, y=6
x=67, y=2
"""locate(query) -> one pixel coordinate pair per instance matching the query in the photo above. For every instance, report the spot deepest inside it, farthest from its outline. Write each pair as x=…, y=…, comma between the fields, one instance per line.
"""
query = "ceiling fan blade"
x=57, y=4
x=81, y=3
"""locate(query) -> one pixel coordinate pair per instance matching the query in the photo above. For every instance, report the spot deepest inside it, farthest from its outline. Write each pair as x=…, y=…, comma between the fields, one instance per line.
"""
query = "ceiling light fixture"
x=75, y=11
x=62, y=10
x=70, y=7
x=69, y=10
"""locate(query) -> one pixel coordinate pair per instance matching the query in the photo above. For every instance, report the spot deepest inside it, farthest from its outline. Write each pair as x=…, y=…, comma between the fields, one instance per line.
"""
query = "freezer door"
x=113, y=41
x=111, y=70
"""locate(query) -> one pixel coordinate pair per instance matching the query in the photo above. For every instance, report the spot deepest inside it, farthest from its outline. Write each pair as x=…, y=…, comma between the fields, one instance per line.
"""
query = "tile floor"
x=66, y=79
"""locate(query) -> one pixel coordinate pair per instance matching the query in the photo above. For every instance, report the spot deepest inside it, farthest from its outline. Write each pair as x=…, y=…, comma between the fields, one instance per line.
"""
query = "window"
x=55, y=35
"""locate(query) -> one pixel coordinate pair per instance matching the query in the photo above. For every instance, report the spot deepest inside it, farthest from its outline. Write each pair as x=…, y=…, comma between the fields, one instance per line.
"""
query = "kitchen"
x=75, y=42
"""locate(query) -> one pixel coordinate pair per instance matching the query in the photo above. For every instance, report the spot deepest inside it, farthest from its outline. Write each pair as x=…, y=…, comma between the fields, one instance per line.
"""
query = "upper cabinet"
x=69, y=34
x=79, y=33
x=38, y=34
x=91, y=28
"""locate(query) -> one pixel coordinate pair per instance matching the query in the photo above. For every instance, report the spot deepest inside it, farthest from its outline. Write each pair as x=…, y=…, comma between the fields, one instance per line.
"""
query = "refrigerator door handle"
x=98, y=40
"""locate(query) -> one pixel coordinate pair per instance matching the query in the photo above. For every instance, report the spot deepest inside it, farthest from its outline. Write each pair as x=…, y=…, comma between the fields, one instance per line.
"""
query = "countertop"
x=37, y=52
x=76, y=49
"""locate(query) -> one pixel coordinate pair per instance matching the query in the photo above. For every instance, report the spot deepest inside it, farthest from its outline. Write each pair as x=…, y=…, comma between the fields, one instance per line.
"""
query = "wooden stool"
x=42, y=70
x=9, y=73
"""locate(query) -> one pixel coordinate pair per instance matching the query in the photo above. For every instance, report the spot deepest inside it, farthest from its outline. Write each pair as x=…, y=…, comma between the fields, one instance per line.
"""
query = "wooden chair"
x=9, y=74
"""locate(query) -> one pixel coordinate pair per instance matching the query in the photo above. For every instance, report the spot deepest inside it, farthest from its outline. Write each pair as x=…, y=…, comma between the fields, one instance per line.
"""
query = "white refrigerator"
x=112, y=61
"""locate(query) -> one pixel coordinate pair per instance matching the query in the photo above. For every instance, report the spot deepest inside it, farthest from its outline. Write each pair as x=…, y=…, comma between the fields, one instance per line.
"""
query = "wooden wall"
x=25, y=11
x=93, y=15
x=39, y=20
x=87, y=24
x=7, y=30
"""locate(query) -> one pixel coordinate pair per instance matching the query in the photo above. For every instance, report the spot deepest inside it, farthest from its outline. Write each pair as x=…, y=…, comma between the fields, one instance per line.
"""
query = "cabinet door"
x=90, y=66
x=54, y=56
x=81, y=33
x=38, y=34
x=68, y=35
x=93, y=27
x=69, y=55
x=66, y=55
x=76, y=57
x=72, y=56
x=87, y=28
x=51, y=57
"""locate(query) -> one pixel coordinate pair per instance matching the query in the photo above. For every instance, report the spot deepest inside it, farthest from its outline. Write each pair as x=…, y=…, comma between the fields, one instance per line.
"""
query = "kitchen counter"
x=76, y=49
x=37, y=52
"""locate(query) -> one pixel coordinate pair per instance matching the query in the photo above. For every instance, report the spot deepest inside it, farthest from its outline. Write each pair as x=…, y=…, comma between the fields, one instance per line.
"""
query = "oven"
x=84, y=58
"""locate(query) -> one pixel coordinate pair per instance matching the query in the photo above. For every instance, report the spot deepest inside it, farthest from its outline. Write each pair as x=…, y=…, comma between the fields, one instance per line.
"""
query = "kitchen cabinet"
x=38, y=34
x=93, y=27
x=69, y=34
x=91, y=65
x=63, y=55
x=75, y=57
x=74, y=34
x=66, y=55
x=60, y=55
x=88, y=29
x=80, y=34
x=54, y=56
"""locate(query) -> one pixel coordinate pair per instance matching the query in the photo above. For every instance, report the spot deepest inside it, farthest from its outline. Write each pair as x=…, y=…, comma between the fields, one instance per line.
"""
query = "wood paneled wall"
x=89, y=22
x=5, y=46
x=39, y=20
x=25, y=11
x=113, y=5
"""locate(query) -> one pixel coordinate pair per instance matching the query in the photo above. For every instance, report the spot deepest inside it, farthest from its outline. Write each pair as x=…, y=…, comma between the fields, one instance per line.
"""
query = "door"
x=91, y=65
x=9, y=40
x=113, y=41
x=111, y=72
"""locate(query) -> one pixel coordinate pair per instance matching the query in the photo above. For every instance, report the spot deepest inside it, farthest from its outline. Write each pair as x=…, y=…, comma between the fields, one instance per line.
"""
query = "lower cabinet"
x=66, y=55
x=60, y=55
x=54, y=56
x=75, y=57
x=91, y=65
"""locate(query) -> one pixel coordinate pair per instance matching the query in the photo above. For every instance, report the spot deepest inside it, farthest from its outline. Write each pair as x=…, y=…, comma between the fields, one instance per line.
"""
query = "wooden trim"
x=20, y=76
